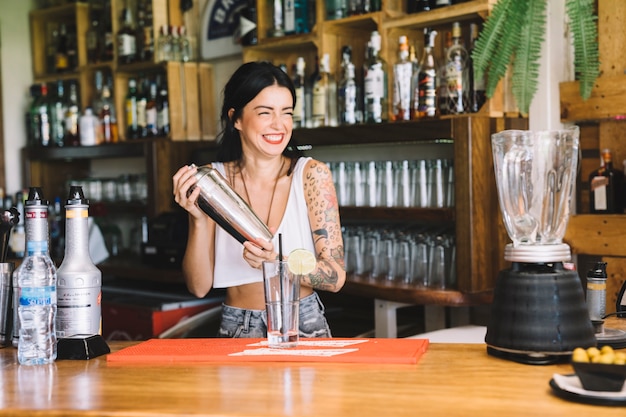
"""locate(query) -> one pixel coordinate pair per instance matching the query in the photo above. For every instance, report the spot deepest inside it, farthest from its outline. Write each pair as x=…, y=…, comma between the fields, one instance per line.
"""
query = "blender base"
x=529, y=358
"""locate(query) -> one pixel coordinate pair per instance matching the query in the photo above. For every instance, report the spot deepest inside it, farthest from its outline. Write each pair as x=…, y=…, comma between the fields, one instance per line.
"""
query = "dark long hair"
x=244, y=85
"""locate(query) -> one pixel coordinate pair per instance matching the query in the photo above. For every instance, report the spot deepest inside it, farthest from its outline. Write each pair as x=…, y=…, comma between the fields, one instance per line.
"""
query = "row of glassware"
x=124, y=188
x=425, y=183
x=420, y=257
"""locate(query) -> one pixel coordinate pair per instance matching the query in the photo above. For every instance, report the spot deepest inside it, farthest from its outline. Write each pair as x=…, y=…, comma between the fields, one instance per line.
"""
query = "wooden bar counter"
x=449, y=380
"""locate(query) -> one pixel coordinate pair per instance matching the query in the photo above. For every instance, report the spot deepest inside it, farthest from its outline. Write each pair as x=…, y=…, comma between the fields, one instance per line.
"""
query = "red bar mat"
x=390, y=351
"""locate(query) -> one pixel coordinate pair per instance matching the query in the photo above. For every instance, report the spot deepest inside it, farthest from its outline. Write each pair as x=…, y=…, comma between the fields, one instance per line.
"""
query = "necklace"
x=245, y=188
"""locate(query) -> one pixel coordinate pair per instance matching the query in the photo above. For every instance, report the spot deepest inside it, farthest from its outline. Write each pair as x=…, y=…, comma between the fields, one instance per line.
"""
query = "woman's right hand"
x=183, y=180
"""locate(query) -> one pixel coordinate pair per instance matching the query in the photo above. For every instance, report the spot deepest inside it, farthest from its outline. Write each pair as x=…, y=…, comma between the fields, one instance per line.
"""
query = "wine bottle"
x=606, y=187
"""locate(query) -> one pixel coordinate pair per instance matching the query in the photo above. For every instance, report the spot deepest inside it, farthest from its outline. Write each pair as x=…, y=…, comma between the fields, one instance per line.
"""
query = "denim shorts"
x=239, y=322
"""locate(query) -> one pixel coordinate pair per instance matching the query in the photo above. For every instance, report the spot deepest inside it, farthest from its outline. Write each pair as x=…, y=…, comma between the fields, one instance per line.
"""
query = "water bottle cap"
x=76, y=196
x=35, y=197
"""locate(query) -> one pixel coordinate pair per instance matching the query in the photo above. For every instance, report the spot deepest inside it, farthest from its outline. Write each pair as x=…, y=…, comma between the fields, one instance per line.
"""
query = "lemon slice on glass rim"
x=301, y=262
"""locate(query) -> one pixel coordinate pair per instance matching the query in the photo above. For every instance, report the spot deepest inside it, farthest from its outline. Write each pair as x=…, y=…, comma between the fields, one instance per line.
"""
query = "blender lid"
x=559, y=252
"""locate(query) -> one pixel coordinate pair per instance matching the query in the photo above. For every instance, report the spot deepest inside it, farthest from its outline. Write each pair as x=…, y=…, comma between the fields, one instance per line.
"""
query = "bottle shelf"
x=469, y=10
x=405, y=215
x=126, y=149
x=405, y=293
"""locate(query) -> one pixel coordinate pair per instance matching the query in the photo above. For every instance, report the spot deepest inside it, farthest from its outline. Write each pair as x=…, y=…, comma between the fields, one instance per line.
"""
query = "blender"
x=539, y=314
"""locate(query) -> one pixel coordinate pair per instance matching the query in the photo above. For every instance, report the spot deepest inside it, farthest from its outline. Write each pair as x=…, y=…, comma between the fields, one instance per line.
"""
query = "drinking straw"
x=280, y=280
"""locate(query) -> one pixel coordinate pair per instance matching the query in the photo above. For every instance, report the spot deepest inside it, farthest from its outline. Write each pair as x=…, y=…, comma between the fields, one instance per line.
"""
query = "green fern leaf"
x=490, y=36
x=502, y=57
x=586, y=55
x=527, y=54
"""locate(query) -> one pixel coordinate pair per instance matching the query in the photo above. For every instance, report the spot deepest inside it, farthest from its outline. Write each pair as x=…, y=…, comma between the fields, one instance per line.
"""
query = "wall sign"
x=220, y=28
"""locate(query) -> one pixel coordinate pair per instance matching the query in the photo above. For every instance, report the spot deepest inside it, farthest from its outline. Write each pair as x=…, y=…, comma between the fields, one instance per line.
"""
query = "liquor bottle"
x=478, y=95
x=96, y=103
x=163, y=110
x=289, y=17
x=347, y=91
x=107, y=32
x=299, y=111
x=606, y=187
x=43, y=117
x=336, y=9
x=72, y=48
x=164, y=44
x=89, y=128
x=72, y=116
x=324, y=93
x=61, y=60
x=174, y=43
x=107, y=116
x=151, y=111
x=415, y=73
x=93, y=39
x=355, y=7
x=370, y=6
x=142, y=102
x=456, y=75
x=402, y=73
x=375, y=83
x=145, y=40
x=32, y=117
x=127, y=38
x=132, y=127
x=301, y=12
x=442, y=78
x=186, y=54
x=79, y=281
x=425, y=104
x=58, y=107
x=36, y=279
x=416, y=6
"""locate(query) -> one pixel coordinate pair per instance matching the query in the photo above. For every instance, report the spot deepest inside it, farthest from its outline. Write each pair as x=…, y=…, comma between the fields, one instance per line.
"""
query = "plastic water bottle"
x=36, y=281
x=79, y=282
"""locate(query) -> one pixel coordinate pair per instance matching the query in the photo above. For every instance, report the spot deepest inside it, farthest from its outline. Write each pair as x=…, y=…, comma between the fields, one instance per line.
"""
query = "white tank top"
x=230, y=268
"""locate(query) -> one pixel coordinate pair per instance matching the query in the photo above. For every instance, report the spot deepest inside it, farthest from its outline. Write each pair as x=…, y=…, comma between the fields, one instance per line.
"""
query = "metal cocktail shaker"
x=220, y=202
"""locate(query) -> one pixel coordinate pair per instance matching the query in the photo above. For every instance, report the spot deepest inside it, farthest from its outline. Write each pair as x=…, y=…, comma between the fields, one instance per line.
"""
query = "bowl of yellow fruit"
x=600, y=369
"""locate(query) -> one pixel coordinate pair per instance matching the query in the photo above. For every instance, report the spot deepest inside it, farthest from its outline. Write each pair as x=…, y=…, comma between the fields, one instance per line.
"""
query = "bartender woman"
x=292, y=194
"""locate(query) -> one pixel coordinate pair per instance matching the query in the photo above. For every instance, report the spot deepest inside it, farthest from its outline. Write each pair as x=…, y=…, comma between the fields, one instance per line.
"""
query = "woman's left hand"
x=258, y=251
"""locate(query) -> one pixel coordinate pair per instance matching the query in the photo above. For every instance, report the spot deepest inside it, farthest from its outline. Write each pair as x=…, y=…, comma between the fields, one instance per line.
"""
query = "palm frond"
x=527, y=54
x=586, y=55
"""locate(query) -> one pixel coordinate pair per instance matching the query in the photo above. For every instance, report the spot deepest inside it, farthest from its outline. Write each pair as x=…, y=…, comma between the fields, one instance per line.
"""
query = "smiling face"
x=266, y=122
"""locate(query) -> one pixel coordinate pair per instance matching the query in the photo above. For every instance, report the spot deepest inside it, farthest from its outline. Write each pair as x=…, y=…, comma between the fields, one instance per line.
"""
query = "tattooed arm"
x=321, y=199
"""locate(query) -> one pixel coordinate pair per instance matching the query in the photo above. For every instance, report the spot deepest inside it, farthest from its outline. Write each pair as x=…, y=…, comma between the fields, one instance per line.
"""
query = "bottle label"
x=599, y=190
x=131, y=112
x=77, y=213
x=319, y=102
x=427, y=94
x=126, y=45
x=78, y=310
x=298, y=111
x=402, y=90
x=374, y=91
x=38, y=296
x=34, y=247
